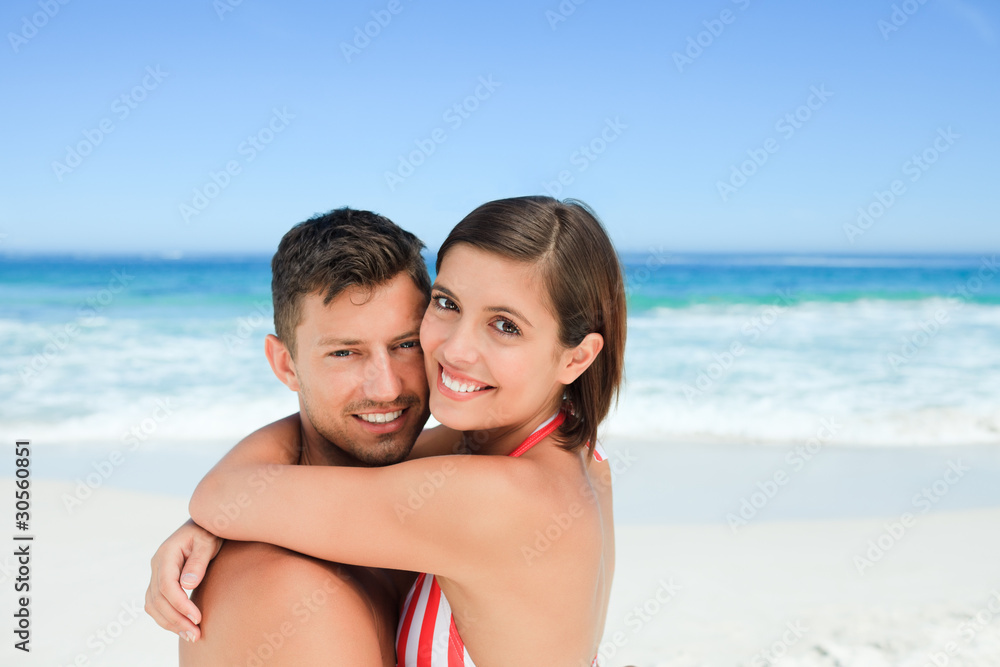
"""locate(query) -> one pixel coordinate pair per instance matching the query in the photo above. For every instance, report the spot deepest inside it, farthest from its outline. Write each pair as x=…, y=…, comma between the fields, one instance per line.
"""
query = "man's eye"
x=410, y=344
x=341, y=353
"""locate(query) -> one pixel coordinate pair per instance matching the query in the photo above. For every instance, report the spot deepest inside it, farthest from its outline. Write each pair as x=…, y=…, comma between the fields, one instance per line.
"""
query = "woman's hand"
x=188, y=550
x=191, y=547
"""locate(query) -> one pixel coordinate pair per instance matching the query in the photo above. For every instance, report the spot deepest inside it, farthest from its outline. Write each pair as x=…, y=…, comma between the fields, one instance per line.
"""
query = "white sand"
x=738, y=592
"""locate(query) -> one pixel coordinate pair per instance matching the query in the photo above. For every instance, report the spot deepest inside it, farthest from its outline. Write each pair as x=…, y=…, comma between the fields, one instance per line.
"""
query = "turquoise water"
x=899, y=350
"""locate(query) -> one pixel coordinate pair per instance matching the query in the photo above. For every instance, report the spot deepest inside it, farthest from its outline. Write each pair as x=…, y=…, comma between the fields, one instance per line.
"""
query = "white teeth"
x=460, y=387
x=381, y=417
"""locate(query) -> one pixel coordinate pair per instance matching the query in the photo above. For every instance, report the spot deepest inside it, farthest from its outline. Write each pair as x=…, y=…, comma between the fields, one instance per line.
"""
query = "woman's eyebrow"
x=508, y=309
x=492, y=309
x=441, y=288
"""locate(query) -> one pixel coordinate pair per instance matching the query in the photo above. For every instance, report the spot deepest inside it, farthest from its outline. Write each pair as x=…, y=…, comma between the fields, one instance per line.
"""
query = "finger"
x=168, y=587
x=168, y=618
x=202, y=553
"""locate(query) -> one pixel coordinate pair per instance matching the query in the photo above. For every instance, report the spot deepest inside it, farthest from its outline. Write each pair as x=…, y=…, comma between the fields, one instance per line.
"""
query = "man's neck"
x=316, y=450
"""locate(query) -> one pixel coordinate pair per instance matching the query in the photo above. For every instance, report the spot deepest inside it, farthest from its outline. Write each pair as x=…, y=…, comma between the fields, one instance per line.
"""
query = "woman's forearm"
x=219, y=501
x=432, y=514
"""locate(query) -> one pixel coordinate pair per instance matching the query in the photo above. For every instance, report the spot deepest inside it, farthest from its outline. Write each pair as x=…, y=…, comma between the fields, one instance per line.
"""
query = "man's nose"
x=382, y=381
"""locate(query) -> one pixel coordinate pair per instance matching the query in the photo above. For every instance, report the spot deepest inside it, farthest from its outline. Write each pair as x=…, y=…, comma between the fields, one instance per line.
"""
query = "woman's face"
x=490, y=343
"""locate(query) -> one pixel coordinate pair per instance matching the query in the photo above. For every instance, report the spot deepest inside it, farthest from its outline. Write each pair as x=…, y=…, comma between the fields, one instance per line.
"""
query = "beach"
x=805, y=447
x=789, y=593
x=806, y=457
x=690, y=590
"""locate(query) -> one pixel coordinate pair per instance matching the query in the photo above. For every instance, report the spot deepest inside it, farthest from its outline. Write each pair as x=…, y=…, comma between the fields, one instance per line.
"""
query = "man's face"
x=360, y=369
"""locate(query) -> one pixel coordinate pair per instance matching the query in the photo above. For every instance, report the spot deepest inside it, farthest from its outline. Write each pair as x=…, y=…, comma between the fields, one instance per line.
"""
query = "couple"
x=317, y=522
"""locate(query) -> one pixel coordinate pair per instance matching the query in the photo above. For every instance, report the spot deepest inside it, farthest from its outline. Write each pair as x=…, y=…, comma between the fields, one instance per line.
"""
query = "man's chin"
x=388, y=460
x=369, y=447
x=384, y=451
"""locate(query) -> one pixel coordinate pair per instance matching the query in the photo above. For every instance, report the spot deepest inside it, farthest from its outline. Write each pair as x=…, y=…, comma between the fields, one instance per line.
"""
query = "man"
x=349, y=290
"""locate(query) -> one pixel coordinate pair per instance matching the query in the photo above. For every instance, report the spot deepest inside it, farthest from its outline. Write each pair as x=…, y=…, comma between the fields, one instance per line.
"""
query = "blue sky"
x=683, y=109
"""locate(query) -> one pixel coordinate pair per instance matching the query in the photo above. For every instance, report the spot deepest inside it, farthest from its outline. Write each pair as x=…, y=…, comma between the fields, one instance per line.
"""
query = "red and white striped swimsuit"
x=427, y=636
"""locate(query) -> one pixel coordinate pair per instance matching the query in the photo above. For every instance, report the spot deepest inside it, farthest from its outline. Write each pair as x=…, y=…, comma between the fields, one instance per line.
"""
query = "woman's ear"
x=578, y=359
x=281, y=361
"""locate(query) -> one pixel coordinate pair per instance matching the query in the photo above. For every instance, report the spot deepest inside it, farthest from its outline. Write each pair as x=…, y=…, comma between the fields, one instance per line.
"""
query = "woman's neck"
x=502, y=440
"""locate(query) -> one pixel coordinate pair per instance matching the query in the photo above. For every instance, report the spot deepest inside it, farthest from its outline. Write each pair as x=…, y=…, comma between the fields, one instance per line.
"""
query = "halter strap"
x=540, y=433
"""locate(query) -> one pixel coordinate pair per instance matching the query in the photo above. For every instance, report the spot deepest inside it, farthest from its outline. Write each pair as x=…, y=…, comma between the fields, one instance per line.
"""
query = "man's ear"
x=281, y=361
x=578, y=359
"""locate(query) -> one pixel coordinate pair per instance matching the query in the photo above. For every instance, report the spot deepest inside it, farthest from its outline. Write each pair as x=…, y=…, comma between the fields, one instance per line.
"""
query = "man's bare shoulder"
x=436, y=441
x=308, y=606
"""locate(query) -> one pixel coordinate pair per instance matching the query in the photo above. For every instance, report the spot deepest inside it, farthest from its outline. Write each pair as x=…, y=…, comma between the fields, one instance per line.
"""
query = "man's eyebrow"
x=413, y=333
x=333, y=341
x=492, y=309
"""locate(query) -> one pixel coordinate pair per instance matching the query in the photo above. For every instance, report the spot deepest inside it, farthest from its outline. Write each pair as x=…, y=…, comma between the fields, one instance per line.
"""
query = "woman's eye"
x=444, y=303
x=506, y=327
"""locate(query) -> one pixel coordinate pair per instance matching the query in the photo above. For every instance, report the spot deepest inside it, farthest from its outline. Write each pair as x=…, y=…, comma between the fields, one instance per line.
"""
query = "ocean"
x=167, y=353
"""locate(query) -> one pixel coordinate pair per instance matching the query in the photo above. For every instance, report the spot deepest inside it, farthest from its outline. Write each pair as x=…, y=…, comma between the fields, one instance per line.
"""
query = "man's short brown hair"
x=333, y=251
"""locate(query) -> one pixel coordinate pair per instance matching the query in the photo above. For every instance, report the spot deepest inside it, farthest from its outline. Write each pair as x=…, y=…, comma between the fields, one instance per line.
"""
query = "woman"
x=523, y=344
